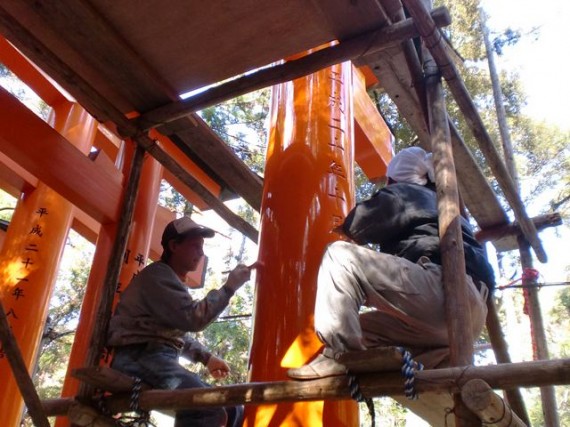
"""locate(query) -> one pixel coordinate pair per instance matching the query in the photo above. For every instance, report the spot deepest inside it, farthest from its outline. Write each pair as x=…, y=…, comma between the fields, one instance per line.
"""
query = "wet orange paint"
x=308, y=190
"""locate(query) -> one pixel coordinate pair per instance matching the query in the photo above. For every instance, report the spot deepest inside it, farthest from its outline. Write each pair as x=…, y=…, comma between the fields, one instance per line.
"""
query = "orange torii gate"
x=93, y=190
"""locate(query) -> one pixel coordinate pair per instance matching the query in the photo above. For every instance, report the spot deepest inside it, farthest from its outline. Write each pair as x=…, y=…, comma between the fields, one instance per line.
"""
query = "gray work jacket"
x=157, y=307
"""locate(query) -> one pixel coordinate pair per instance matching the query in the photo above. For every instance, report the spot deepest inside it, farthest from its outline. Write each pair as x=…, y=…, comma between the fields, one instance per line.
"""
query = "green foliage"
x=63, y=316
x=240, y=122
x=21, y=91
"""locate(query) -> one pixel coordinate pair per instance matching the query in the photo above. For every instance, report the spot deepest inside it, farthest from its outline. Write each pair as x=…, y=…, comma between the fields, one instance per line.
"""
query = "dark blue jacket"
x=403, y=219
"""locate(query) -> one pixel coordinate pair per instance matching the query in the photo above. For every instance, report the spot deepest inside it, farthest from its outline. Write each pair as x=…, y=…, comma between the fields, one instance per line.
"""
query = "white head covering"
x=411, y=165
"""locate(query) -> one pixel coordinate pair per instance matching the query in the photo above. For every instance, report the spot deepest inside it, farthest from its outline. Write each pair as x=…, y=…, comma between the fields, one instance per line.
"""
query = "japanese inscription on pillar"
x=31, y=247
x=337, y=178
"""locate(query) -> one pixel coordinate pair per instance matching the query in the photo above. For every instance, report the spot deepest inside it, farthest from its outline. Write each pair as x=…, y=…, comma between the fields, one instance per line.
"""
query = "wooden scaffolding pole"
x=538, y=335
x=437, y=47
x=526, y=374
x=457, y=310
x=540, y=222
x=20, y=372
x=98, y=335
x=500, y=347
x=489, y=407
x=365, y=44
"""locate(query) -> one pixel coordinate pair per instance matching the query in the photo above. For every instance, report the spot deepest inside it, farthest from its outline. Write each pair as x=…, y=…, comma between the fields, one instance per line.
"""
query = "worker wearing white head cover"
x=412, y=165
x=402, y=282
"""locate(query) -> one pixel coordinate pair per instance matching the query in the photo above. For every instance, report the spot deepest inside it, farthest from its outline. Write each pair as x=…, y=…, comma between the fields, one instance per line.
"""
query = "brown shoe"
x=321, y=367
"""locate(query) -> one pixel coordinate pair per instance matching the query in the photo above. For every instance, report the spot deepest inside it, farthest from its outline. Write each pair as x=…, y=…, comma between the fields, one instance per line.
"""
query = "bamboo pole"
x=365, y=44
x=20, y=372
x=540, y=222
x=437, y=47
x=500, y=348
x=489, y=407
x=98, y=335
x=524, y=374
x=538, y=335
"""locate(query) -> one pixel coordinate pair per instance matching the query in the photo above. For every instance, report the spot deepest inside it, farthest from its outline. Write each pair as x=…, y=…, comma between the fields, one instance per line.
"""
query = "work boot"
x=321, y=367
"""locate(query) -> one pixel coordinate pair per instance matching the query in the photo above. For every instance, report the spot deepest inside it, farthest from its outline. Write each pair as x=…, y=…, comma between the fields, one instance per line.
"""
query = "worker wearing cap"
x=402, y=283
x=148, y=330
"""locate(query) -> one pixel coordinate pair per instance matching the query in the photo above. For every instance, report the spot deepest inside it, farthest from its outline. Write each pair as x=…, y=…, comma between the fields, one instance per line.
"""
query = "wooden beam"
x=29, y=74
x=205, y=148
x=489, y=407
x=525, y=374
x=348, y=49
x=104, y=110
x=41, y=150
x=20, y=372
x=540, y=222
x=372, y=138
x=36, y=50
x=431, y=34
x=14, y=179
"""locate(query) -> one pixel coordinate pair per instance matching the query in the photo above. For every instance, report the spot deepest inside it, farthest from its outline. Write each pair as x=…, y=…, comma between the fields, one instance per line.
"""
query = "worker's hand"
x=239, y=275
x=217, y=367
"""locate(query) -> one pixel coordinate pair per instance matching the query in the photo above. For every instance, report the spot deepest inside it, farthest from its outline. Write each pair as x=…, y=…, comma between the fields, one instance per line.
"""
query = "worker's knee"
x=338, y=251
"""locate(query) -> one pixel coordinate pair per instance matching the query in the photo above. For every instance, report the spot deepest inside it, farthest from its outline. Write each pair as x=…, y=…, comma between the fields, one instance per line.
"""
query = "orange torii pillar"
x=308, y=190
x=30, y=256
x=134, y=259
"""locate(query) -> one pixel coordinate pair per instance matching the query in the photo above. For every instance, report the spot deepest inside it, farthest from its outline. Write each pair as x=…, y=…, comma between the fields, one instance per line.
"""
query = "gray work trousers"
x=407, y=299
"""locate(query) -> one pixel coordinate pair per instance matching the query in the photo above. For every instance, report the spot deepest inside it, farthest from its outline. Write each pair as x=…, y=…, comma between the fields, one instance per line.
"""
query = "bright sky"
x=541, y=62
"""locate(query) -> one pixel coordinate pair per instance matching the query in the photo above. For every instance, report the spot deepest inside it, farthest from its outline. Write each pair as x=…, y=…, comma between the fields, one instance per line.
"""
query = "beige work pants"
x=407, y=301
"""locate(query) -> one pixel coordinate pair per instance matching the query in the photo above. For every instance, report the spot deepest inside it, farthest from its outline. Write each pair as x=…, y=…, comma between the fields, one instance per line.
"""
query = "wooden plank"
x=222, y=210
x=513, y=230
x=26, y=139
x=357, y=46
x=107, y=379
x=76, y=23
x=201, y=144
x=223, y=39
x=20, y=372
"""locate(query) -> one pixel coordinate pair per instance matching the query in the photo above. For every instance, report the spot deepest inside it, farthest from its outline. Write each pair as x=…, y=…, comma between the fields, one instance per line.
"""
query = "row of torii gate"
x=320, y=125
